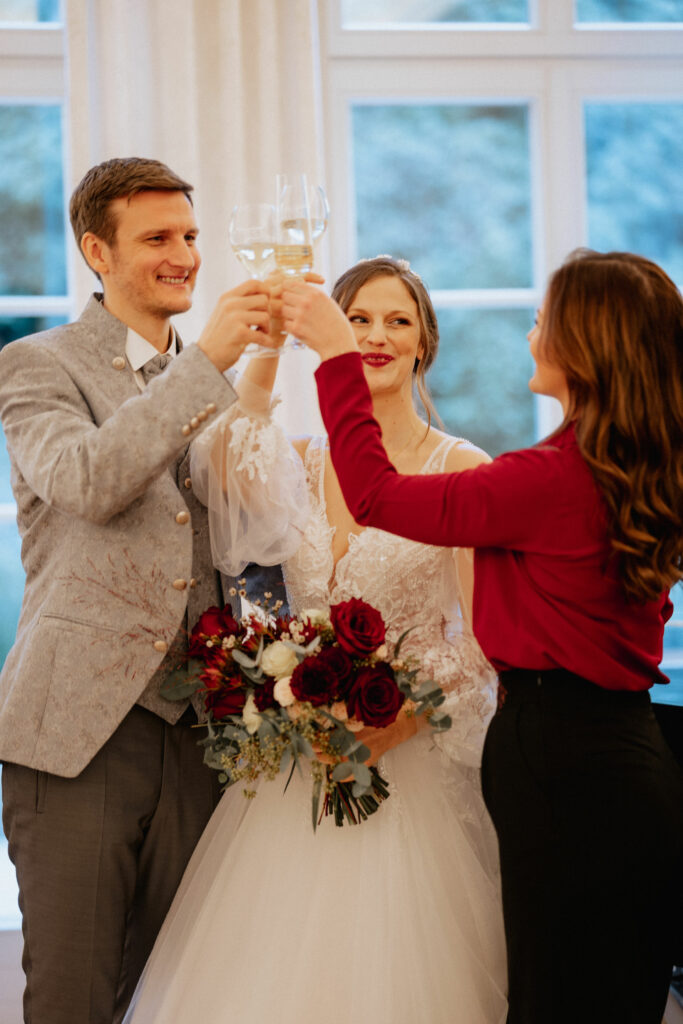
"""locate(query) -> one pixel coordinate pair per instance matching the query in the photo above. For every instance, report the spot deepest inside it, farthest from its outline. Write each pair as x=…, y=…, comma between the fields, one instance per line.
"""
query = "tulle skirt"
x=394, y=921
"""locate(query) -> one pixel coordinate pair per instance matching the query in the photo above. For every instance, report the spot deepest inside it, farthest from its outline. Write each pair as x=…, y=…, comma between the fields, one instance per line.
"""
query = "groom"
x=104, y=790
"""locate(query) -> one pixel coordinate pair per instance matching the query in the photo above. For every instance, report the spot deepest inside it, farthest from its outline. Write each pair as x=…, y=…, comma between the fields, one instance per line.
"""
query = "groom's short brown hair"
x=90, y=206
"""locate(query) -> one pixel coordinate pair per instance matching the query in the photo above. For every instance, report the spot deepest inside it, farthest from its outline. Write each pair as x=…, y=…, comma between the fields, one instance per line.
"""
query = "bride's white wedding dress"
x=394, y=921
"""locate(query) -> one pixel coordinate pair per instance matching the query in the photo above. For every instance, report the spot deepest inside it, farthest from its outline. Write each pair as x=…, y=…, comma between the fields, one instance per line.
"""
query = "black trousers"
x=98, y=859
x=587, y=801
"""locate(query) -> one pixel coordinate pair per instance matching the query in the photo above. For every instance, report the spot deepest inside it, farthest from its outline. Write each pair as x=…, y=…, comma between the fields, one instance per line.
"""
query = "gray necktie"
x=154, y=366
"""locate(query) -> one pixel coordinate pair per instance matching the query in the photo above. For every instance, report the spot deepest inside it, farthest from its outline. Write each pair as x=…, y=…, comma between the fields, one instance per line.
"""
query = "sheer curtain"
x=228, y=93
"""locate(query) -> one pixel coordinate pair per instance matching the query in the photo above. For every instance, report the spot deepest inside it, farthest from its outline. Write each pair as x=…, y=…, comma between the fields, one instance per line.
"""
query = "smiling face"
x=149, y=272
x=548, y=378
x=386, y=323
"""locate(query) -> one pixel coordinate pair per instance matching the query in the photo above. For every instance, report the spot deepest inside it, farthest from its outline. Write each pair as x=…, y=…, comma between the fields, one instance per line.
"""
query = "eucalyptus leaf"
x=361, y=774
x=400, y=640
x=315, y=801
x=182, y=682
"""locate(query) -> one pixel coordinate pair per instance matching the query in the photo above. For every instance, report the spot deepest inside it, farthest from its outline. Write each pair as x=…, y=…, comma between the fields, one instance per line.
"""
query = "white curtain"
x=227, y=93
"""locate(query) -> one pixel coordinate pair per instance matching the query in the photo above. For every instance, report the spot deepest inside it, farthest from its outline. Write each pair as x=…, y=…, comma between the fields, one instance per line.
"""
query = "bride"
x=396, y=920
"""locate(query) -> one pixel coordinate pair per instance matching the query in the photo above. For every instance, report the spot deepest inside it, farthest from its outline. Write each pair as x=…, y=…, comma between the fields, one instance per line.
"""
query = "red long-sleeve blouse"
x=546, y=593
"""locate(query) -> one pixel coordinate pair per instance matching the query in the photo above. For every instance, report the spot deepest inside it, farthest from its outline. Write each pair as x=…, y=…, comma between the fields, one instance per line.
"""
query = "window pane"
x=29, y=10
x=397, y=12
x=446, y=186
x=629, y=10
x=32, y=241
x=634, y=161
x=479, y=380
x=13, y=327
x=12, y=576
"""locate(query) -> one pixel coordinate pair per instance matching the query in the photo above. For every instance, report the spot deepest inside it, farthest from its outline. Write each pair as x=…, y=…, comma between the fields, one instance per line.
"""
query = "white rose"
x=278, y=660
x=339, y=711
x=250, y=715
x=316, y=617
x=282, y=692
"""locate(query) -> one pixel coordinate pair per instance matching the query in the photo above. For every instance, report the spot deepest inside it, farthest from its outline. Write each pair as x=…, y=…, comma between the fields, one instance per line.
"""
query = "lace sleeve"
x=459, y=666
x=253, y=483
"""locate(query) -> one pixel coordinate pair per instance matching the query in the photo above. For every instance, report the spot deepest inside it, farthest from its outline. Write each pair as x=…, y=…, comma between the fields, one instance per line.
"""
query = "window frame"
x=32, y=72
x=552, y=64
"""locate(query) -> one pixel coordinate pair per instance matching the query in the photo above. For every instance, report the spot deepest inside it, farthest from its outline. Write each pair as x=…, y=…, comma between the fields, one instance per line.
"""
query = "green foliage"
x=635, y=179
x=454, y=193
x=32, y=257
x=432, y=11
x=629, y=10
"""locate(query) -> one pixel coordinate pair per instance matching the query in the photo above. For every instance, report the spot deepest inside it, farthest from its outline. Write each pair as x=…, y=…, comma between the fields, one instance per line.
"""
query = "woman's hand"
x=276, y=283
x=313, y=317
x=378, y=741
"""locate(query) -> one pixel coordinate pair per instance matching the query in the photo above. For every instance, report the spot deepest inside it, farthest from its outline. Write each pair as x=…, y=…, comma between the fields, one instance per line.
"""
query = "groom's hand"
x=230, y=326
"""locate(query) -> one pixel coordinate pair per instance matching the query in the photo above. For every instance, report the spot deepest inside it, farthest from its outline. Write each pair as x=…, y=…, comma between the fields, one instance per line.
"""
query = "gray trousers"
x=98, y=860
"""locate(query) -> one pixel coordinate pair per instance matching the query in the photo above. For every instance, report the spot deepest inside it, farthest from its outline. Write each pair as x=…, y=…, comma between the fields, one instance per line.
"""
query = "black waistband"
x=560, y=684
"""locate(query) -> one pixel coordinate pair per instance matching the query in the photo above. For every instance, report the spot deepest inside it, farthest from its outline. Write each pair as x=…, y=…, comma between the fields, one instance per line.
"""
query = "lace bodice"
x=412, y=585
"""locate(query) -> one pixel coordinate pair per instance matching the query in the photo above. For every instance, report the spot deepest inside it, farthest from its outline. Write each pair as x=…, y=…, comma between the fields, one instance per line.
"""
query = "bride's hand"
x=378, y=741
x=276, y=282
x=316, y=319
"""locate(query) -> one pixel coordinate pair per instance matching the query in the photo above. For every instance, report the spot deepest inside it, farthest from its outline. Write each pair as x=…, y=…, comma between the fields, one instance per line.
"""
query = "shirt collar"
x=139, y=351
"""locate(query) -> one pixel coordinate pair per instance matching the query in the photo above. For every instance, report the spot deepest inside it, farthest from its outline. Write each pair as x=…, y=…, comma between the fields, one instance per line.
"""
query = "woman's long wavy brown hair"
x=613, y=322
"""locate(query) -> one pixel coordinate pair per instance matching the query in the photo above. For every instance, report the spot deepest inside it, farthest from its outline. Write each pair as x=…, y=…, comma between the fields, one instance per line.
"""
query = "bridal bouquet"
x=279, y=688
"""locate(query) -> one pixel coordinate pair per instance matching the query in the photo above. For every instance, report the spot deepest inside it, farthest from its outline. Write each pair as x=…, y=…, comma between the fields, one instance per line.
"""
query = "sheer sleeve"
x=459, y=666
x=253, y=483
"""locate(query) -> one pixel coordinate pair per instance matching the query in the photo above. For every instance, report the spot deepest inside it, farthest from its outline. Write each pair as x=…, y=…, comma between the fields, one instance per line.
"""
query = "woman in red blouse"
x=577, y=543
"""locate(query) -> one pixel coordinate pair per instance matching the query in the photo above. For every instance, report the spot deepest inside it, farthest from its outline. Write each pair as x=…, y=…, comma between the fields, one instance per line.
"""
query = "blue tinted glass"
x=629, y=10
x=12, y=576
x=10, y=918
x=32, y=243
x=479, y=380
x=634, y=154
x=388, y=12
x=30, y=10
x=447, y=187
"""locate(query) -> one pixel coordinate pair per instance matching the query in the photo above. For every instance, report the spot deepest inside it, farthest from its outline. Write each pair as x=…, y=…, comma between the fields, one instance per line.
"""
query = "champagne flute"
x=302, y=215
x=252, y=236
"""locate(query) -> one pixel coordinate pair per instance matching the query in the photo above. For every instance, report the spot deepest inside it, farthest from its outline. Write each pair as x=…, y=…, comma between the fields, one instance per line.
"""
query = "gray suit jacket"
x=106, y=532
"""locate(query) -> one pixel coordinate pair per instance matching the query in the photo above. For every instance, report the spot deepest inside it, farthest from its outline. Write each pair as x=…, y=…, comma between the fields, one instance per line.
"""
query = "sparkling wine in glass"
x=302, y=213
x=252, y=237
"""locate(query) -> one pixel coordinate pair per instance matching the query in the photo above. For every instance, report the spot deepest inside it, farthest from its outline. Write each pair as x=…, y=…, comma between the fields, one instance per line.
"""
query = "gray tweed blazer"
x=107, y=535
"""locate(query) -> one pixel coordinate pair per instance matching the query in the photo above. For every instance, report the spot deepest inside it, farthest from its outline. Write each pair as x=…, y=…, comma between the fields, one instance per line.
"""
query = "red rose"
x=228, y=698
x=338, y=665
x=214, y=622
x=374, y=697
x=263, y=694
x=313, y=681
x=358, y=626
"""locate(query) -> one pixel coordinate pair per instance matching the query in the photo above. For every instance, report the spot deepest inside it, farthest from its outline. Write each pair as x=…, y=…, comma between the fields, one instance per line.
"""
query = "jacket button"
x=194, y=422
x=211, y=408
x=161, y=646
x=188, y=483
x=186, y=430
x=202, y=415
x=193, y=583
x=183, y=517
x=179, y=584
x=118, y=362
